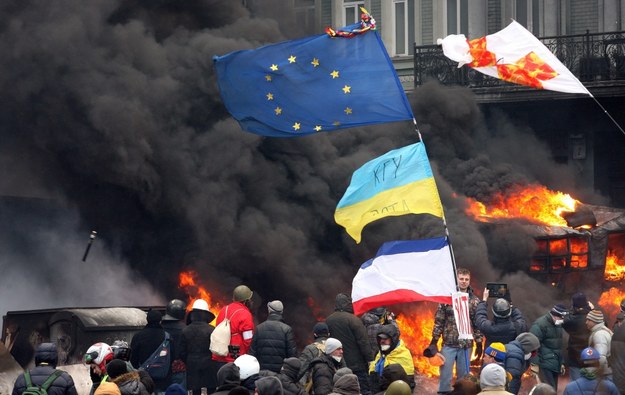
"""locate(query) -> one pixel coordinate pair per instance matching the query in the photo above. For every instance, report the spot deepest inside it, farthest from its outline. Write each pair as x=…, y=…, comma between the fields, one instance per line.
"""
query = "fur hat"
x=332, y=345
x=492, y=375
x=559, y=310
x=496, y=350
x=529, y=342
x=275, y=306
x=595, y=316
x=579, y=300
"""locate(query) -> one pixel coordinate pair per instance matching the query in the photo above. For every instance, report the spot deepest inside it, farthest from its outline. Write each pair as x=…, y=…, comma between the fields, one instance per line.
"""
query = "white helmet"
x=99, y=354
x=200, y=304
x=248, y=366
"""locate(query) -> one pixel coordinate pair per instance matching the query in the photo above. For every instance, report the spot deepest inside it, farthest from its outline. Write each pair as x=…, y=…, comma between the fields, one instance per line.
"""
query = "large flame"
x=534, y=203
x=189, y=283
x=610, y=302
x=416, y=332
x=614, y=267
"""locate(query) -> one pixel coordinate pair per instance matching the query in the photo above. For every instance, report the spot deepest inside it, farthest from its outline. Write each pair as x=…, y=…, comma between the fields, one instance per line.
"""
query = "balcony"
x=597, y=60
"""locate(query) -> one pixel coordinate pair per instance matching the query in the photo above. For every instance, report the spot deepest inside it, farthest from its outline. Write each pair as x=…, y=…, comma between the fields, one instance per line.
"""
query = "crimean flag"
x=397, y=183
x=315, y=84
x=405, y=271
x=514, y=55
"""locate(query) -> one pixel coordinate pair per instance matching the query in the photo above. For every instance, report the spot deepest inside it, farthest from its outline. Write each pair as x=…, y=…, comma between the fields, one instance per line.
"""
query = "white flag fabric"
x=405, y=271
x=461, y=314
x=515, y=55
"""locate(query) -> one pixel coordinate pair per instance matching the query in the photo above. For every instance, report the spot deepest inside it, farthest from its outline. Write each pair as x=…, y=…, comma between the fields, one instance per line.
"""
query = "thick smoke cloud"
x=111, y=110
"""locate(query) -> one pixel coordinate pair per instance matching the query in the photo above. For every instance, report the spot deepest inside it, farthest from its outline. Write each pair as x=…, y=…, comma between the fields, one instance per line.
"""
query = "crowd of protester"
x=350, y=355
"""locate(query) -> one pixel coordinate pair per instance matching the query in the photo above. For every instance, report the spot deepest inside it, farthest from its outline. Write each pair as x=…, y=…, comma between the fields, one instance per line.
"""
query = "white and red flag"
x=460, y=303
x=515, y=55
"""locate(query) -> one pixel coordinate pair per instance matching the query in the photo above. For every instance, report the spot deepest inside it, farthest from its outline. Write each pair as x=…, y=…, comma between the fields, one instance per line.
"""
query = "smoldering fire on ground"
x=111, y=111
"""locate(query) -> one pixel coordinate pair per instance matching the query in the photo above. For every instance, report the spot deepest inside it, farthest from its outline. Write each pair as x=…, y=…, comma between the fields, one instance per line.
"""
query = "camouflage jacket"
x=445, y=324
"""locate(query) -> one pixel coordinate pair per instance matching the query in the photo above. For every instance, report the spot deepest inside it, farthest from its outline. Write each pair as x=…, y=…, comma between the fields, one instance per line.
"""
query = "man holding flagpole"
x=455, y=350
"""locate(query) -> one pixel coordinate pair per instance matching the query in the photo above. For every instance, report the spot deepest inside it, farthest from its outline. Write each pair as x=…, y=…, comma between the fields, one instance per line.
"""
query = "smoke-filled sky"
x=110, y=115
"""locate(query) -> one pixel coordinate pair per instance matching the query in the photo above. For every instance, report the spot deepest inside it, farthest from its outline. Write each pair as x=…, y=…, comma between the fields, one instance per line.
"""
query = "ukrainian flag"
x=397, y=183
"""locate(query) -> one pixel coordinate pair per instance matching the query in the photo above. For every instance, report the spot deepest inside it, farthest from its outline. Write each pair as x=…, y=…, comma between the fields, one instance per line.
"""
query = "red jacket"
x=241, y=328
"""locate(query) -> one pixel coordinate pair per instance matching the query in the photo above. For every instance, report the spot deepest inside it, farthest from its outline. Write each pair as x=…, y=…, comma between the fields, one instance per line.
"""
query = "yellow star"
x=274, y=67
x=315, y=62
x=292, y=59
x=334, y=74
x=318, y=128
x=268, y=78
x=269, y=96
x=336, y=123
x=296, y=126
x=278, y=111
x=347, y=89
x=348, y=110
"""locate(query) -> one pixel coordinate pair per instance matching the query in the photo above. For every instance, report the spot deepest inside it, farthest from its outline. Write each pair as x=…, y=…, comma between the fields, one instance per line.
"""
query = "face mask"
x=558, y=322
x=385, y=347
x=527, y=356
x=337, y=359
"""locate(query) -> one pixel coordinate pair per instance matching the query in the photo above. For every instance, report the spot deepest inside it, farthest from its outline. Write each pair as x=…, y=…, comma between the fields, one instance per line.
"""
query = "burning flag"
x=514, y=55
x=310, y=85
x=397, y=183
x=405, y=271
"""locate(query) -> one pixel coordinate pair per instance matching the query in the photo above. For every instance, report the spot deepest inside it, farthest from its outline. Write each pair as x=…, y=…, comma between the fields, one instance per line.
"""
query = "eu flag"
x=315, y=84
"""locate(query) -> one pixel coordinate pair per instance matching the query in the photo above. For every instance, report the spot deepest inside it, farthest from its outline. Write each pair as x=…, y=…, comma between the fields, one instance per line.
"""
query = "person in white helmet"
x=97, y=356
x=249, y=370
x=194, y=349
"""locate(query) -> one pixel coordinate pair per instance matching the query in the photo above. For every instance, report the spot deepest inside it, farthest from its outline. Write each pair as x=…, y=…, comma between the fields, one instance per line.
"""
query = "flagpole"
x=608, y=114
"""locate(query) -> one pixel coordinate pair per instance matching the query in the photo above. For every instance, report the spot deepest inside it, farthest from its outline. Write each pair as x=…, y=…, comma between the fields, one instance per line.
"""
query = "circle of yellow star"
x=334, y=74
x=315, y=62
x=296, y=126
x=348, y=110
x=317, y=128
x=278, y=110
x=347, y=89
x=292, y=59
x=274, y=67
x=269, y=96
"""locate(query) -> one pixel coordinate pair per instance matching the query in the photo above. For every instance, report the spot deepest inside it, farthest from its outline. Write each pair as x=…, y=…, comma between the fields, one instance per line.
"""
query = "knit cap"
x=321, y=329
x=275, y=306
x=496, y=350
x=579, y=300
x=529, y=342
x=559, y=310
x=154, y=317
x=595, y=316
x=492, y=375
x=116, y=368
x=332, y=345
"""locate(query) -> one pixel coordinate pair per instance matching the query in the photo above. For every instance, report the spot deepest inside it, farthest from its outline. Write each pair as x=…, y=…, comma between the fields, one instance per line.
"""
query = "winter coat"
x=311, y=352
x=585, y=386
x=272, y=343
x=502, y=330
x=145, y=342
x=445, y=324
x=241, y=328
x=130, y=384
x=515, y=364
x=63, y=385
x=398, y=353
x=600, y=339
x=617, y=357
x=289, y=375
x=351, y=332
x=269, y=385
x=227, y=378
x=323, y=369
x=550, y=336
x=174, y=328
x=195, y=352
x=107, y=388
x=346, y=385
x=575, y=325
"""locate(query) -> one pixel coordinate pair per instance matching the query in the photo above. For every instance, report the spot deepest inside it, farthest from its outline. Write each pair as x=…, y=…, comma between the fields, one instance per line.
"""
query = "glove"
x=431, y=350
x=534, y=368
x=479, y=349
x=562, y=370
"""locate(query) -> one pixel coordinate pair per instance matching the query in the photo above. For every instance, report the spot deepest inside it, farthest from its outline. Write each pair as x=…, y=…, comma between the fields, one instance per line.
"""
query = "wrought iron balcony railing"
x=590, y=57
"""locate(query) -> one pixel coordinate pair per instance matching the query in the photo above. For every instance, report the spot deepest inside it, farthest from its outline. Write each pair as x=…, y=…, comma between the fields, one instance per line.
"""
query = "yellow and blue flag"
x=397, y=183
x=315, y=84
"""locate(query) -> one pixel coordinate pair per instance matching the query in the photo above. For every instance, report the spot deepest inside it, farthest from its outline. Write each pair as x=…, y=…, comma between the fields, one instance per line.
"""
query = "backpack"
x=308, y=383
x=42, y=389
x=157, y=365
x=220, y=337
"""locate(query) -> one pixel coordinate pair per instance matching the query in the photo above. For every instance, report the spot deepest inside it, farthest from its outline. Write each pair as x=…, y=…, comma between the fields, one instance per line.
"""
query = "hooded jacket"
x=228, y=377
x=515, y=364
x=289, y=375
x=46, y=358
x=550, y=337
x=195, y=351
x=269, y=385
x=130, y=384
x=323, y=369
x=398, y=353
x=502, y=330
x=273, y=342
x=590, y=386
x=346, y=385
x=351, y=332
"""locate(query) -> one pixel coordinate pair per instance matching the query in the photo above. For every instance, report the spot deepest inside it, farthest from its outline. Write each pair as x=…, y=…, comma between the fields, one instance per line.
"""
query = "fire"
x=610, y=302
x=195, y=291
x=416, y=332
x=316, y=310
x=533, y=202
x=614, y=267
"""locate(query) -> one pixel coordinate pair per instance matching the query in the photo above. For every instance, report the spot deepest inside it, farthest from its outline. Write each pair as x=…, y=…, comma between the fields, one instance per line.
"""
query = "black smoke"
x=111, y=111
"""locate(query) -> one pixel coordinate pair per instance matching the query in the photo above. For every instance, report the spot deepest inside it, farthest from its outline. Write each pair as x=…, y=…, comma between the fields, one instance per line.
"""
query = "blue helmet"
x=590, y=354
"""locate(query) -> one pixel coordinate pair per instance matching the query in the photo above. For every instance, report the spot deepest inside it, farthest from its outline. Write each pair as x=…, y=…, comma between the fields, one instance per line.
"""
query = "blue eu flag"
x=310, y=85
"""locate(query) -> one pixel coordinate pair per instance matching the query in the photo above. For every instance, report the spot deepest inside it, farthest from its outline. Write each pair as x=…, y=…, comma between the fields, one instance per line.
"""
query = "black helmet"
x=175, y=310
x=501, y=308
x=121, y=350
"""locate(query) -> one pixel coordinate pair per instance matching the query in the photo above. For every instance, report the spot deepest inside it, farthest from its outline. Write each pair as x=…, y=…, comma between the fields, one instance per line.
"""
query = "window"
x=458, y=17
x=351, y=11
x=560, y=255
x=403, y=15
x=305, y=15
